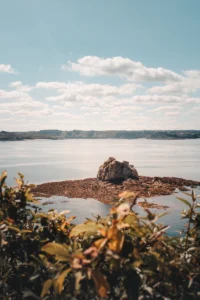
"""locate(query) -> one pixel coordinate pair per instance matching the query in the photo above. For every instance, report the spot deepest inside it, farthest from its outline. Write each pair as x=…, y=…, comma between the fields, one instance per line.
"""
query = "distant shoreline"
x=97, y=135
x=49, y=139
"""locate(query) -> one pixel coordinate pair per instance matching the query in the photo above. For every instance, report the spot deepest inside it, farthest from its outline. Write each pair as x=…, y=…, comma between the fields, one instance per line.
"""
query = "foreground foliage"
x=121, y=256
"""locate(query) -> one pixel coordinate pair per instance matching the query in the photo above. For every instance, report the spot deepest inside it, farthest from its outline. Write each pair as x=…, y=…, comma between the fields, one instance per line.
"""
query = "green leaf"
x=30, y=197
x=162, y=215
x=130, y=219
x=89, y=226
x=47, y=285
x=61, y=253
x=59, y=280
x=193, y=196
x=184, y=201
x=188, y=194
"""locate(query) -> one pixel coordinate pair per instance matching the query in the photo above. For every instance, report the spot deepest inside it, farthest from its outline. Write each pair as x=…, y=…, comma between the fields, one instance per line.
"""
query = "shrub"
x=121, y=256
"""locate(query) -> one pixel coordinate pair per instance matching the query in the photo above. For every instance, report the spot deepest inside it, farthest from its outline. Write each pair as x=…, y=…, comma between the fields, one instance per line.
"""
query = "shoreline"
x=109, y=138
x=108, y=192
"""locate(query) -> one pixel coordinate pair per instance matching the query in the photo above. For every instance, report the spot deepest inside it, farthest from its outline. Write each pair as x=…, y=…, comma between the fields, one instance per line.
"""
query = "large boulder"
x=116, y=171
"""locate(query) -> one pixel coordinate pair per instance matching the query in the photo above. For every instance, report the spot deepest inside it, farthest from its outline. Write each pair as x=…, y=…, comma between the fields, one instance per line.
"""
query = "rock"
x=116, y=171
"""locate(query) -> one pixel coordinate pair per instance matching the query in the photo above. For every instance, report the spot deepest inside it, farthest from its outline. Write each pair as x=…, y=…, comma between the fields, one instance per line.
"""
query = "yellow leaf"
x=62, y=227
x=103, y=232
x=40, y=215
x=21, y=175
x=14, y=229
x=78, y=277
x=35, y=201
x=126, y=195
x=3, y=174
x=64, y=212
x=47, y=285
x=100, y=243
x=19, y=182
x=60, y=252
x=116, y=239
x=122, y=226
x=32, y=186
x=3, y=178
x=137, y=263
x=26, y=231
x=101, y=284
x=70, y=219
x=59, y=280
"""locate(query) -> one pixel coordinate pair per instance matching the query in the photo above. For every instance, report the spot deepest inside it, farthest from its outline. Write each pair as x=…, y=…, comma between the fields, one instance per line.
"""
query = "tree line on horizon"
x=105, y=134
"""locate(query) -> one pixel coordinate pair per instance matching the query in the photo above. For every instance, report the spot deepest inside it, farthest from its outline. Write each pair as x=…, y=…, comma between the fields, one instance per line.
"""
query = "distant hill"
x=92, y=134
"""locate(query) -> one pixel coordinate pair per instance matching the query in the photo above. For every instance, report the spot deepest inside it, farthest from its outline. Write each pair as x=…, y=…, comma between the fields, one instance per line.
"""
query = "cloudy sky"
x=91, y=64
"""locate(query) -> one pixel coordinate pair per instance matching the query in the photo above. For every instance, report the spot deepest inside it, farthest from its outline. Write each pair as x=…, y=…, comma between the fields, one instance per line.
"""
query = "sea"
x=56, y=160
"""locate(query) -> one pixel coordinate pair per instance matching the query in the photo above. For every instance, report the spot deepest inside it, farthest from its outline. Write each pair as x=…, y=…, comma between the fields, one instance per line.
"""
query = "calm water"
x=89, y=208
x=46, y=160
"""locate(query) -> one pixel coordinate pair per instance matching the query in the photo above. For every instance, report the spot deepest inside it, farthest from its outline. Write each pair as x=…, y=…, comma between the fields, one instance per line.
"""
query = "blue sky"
x=74, y=64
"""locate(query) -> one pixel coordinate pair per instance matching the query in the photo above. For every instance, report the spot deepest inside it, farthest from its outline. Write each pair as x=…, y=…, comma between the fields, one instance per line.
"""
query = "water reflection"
x=89, y=208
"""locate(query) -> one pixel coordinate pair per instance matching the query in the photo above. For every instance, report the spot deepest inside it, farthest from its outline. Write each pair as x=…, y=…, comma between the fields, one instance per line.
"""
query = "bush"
x=121, y=256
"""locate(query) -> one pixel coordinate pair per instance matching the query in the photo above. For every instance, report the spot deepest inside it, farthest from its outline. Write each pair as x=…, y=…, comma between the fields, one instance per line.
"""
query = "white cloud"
x=106, y=95
x=196, y=108
x=187, y=86
x=190, y=83
x=6, y=69
x=18, y=102
x=165, y=108
x=122, y=67
x=157, y=99
x=172, y=113
x=100, y=106
x=64, y=98
x=16, y=84
x=26, y=105
x=32, y=113
x=128, y=89
x=14, y=95
x=20, y=87
x=164, y=99
x=80, y=88
x=51, y=85
x=192, y=73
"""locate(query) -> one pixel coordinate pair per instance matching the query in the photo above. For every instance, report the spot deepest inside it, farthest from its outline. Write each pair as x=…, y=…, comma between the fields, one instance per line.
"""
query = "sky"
x=99, y=64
